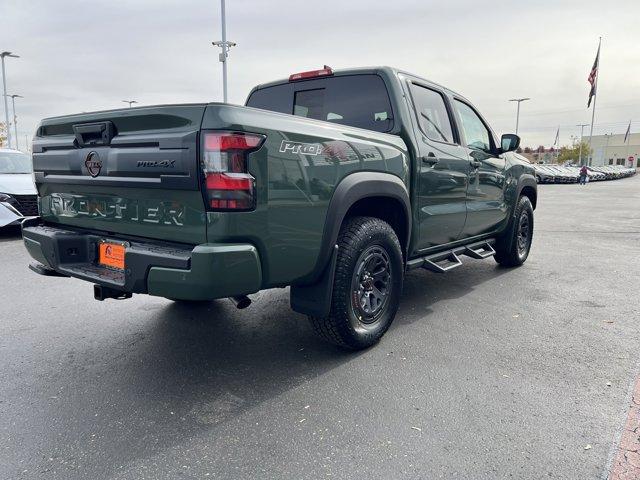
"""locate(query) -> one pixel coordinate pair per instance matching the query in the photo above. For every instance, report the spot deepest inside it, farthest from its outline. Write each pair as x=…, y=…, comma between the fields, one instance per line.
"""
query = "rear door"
x=132, y=172
x=443, y=168
x=486, y=205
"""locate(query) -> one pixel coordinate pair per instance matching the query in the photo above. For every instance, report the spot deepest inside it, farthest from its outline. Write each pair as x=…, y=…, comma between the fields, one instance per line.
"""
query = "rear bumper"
x=202, y=272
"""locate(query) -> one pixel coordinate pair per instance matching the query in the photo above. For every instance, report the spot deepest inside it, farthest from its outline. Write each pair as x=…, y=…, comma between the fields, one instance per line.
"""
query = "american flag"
x=593, y=77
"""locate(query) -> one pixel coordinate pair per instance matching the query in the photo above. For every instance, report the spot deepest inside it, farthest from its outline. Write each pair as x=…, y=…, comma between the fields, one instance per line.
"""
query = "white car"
x=18, y=196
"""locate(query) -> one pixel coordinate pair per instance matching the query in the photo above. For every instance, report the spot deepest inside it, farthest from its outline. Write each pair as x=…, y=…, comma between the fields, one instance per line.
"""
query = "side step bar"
x=442, y=262
x=480, y=252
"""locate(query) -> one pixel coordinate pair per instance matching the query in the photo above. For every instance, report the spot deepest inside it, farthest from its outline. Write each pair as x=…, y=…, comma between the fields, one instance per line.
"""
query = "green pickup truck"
x=334, y=183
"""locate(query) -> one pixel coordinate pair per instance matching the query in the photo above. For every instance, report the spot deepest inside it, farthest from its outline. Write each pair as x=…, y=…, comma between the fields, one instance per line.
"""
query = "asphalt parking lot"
x=486, y=372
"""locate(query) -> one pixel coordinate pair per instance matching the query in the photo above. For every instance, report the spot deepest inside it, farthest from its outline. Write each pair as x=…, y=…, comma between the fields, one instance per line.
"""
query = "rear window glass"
x=432, y=112
x=355, y=100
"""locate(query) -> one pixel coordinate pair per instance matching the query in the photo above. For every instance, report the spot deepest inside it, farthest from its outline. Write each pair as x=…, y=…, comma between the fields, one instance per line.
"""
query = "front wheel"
x=367, y=284
x=512, y=249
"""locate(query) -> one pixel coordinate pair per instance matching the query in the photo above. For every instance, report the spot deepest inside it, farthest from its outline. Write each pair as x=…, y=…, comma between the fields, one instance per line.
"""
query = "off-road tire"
x=364, y=243
x=511, y=248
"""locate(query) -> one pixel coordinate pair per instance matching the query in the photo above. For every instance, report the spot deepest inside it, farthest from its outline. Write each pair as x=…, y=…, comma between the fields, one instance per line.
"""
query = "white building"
x=612, y=150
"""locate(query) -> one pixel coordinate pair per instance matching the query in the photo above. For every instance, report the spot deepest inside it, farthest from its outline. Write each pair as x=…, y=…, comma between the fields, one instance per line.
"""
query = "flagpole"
x=593, y=112
x=628, y=141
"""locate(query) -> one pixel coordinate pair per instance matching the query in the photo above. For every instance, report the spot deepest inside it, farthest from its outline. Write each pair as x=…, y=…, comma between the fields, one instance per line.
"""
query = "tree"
x=3, y=133
x=572, y=154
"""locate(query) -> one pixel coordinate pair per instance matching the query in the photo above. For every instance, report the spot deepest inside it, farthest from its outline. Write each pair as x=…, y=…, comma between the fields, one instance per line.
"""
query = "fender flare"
x=525, y=180
x=311, y=295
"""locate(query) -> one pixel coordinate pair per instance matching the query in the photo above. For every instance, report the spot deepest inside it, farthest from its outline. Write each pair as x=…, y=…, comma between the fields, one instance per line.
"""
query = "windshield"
x=15, y=162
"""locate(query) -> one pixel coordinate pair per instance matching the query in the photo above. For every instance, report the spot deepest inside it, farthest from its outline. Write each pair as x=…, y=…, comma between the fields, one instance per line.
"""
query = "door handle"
x=476, y=163
x=430, y=159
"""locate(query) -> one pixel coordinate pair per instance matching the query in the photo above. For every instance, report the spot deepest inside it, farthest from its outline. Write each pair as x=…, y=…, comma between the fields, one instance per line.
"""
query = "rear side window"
x=432, y=114
x=355, y=100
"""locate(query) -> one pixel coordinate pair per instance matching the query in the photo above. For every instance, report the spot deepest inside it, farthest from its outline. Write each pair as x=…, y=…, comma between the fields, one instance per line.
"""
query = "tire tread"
x=506, y=247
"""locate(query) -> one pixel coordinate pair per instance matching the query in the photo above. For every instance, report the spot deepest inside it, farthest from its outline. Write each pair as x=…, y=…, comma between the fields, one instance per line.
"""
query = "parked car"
x=551, y=173
x=335, y=183
x=18, y=196
x=543, y=174
x=563, y=175
x=595, y=174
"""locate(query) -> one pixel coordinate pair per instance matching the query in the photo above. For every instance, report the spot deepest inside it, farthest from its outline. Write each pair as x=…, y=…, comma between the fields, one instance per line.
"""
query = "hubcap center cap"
x=367, y=282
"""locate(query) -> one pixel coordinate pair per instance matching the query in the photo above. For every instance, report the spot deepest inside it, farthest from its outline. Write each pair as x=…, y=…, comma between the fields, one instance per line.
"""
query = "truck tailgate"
x=133, y=172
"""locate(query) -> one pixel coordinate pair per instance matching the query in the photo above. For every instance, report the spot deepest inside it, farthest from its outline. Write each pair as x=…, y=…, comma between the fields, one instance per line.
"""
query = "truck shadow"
x=422, y=289
x=192, y=369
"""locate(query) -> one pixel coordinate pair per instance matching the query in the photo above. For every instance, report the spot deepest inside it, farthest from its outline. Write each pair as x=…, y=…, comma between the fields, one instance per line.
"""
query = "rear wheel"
x=367, y=284
x=512, y=249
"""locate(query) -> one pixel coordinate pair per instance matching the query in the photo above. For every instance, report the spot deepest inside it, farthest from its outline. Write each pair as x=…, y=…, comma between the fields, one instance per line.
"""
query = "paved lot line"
x=626, y=465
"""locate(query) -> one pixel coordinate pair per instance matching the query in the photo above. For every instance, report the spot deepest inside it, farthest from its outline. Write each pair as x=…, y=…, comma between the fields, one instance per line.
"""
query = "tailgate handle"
x=90, y=134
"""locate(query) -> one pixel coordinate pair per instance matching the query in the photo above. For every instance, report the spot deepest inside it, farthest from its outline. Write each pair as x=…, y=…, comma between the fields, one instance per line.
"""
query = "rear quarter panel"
x=297, y=170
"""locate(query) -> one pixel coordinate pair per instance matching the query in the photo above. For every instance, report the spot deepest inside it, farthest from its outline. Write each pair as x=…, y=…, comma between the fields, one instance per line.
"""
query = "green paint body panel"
x=210, y=274
x=128, y=211
x=35, y=250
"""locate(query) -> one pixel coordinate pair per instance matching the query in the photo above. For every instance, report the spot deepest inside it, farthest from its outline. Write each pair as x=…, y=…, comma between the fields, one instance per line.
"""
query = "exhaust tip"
x=241, y=301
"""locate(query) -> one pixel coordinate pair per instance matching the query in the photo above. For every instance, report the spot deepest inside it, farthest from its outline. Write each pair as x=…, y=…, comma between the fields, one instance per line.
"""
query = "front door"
x=443, y=169
x=486, y=206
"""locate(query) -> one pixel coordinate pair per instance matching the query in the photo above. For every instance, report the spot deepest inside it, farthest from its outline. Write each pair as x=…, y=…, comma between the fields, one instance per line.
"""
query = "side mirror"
x=509, y=142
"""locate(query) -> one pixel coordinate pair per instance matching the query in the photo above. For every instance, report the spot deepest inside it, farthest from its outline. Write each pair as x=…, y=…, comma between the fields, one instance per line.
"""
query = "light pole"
x=225, y=46
x=519, y=100
x=130, y=102
x=582, y=125
x=4, y=87
x=15, y=117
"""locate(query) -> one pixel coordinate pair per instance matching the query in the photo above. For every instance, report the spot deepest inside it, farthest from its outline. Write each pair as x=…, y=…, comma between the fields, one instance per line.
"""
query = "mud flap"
x=315, y=300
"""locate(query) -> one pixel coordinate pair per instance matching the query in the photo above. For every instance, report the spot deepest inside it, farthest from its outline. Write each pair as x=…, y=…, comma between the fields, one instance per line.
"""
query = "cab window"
x=432, y=114
x=476, y=133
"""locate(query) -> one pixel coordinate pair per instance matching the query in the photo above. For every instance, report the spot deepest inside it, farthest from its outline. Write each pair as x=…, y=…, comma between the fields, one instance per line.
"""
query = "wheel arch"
x=375, y=194
x=359, y=193
x=528, y=187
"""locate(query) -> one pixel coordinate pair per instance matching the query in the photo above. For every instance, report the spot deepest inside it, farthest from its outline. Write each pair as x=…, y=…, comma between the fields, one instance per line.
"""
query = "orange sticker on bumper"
x=111, y=255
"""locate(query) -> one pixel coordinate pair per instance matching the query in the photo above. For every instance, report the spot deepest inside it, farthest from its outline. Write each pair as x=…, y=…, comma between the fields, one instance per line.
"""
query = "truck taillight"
x=227, y=183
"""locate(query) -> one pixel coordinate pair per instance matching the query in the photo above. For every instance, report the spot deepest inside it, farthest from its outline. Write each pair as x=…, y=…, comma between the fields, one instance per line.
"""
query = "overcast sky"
x=81, y=56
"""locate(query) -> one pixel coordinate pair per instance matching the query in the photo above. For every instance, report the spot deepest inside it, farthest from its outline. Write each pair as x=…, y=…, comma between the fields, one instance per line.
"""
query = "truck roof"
x=390, y=71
